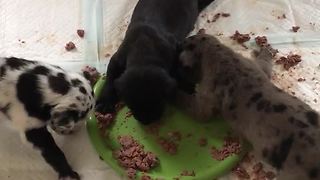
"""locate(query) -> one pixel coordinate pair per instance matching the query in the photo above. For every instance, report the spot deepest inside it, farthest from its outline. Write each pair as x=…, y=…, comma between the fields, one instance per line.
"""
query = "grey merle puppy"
x=283, y=130
x=34, y=95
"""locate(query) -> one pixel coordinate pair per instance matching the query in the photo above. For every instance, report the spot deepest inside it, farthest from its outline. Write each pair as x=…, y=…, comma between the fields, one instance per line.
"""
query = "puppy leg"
x=43, y=140
x=109, y=98
x=264, y=59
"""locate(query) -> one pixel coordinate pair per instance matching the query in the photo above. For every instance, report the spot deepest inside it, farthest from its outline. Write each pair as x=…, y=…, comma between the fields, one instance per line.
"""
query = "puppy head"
x=72, y=109
x=146, y=91
x=188, y=70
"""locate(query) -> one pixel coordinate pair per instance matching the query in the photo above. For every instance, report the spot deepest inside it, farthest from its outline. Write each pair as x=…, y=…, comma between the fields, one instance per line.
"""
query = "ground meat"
x=225, y=14
x=70, y=46
x=240, y=38
x=216, y=17
x=104, y=121
x=91, y=73
x=168, y=146
x=145, y=177
x=187, y=173
x=128, y=114
x=261, y=41
x=231, y=146
x=289, y=61
x=203, y=142
x=131, y=173
x=131, y=155
x=175, y=136
x=241, y=173
x=80, y=33
x=282, y=17
x=295, y=28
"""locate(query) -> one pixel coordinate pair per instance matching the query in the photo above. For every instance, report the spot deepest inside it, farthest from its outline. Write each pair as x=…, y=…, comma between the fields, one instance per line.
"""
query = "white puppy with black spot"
x=34, y=95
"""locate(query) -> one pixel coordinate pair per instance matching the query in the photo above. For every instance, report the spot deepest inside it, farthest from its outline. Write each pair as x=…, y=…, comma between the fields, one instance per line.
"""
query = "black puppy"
x=139, y=72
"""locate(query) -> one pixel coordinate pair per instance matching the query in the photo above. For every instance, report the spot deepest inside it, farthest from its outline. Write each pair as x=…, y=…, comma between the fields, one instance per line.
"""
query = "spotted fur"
x=34, y=95
x=283, y=130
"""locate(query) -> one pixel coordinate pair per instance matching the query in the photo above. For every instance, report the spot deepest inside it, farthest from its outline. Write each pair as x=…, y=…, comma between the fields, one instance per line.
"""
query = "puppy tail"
x=203, y=4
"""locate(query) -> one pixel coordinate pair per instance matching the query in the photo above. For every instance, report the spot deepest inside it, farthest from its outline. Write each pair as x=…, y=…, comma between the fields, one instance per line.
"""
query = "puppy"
x=139, y=72
x=34, y=95
x=283, y=130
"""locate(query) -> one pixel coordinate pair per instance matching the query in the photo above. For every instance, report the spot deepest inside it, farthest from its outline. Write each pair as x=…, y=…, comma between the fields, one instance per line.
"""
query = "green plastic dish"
x=190, y=155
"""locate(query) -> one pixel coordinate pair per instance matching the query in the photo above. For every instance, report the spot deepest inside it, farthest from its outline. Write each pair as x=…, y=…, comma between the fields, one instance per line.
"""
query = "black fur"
x=43, y=140
x=139, y=72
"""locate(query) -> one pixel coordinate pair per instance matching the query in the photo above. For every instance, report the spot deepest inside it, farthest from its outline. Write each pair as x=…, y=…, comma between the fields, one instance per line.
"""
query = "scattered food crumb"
x=203, y=142
x=312, y=24
x=104, y=121
x=282, y=17
x=241, y=173
x=132, y=156
x=168, y=146
x=216, y=17
x=145, y=177
x=175, y=136
x=188, y=173
x=225, y=14
x=301, y=79
x=80, y=33
x=261, y=41
x=128, y=114
x=295, y=28
x=107, y=55
x=230, y=146
x=131, y=173
x=289, y=61
x=70, y=46
x=241, y=38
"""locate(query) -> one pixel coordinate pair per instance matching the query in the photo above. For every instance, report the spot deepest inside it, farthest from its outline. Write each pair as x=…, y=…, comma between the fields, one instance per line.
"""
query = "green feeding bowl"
x=190, y=155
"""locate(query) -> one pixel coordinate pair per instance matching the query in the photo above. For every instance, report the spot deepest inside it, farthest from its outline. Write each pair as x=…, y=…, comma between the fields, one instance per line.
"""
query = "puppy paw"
x=70, y=176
